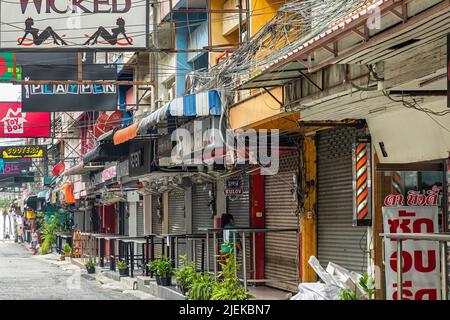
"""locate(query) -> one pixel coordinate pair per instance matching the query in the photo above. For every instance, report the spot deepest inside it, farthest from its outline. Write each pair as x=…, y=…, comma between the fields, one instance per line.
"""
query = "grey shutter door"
x=201, y=218
x=240, y=209
x=281, y=254
x=338, y=240
x=139, y=225
x=177, y=222
x=240, y=206
x=156, y=225
x=140, y=219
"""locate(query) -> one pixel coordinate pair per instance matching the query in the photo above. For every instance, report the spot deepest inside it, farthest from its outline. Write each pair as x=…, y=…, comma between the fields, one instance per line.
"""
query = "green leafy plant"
x=228, y=287
x=89, y=264
x=162, y=267
x=185, y=274
x=121, y=265
x=67, y=249
x=202, y=287
x=347, y=294
x=368, y=284
x=45, y=248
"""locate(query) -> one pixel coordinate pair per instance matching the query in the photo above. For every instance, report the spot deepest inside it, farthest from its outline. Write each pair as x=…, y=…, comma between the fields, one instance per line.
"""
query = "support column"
x=377, y=227
x=165, y=223
x=308, y=218
x=221, y=202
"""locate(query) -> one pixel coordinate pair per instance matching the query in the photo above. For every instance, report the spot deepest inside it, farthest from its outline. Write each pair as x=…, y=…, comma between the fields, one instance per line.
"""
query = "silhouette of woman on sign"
x=38, y=39
x=110, y=38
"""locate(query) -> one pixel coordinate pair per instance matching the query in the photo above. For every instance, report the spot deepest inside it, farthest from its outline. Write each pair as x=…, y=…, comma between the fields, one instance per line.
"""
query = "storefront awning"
x=125, y=134
x=193, y=105
x=42, y=195
x=81, y=168
x=106, y=152
x=107, y=136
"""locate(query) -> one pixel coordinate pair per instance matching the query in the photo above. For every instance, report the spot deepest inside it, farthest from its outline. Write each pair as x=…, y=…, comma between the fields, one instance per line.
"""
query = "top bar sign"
x=74, y=24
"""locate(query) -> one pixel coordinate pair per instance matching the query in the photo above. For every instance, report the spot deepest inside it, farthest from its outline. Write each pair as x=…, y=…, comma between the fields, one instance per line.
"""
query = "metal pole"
x=234, y=251
x=244, y=260
x=215, y=252
x=254, y=255
x=444, y=270
x=207, y=252
x=399, y=270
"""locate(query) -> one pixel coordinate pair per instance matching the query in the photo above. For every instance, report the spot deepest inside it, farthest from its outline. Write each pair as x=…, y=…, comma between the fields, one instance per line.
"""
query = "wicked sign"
x=74, y=24
x=17, y=152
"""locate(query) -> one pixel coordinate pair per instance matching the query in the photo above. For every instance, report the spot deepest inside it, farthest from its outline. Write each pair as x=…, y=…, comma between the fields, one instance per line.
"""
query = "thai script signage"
x=15, y=152
x=74, y=24
x=414, y=198
x=421, y=276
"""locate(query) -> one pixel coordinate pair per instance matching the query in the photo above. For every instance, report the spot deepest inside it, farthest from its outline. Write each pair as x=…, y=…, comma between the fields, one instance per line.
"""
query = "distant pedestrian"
x=34, y=241
x=227, y=247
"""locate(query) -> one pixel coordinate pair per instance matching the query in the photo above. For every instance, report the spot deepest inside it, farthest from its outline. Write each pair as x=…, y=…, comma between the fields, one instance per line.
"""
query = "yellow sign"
x=22, y=152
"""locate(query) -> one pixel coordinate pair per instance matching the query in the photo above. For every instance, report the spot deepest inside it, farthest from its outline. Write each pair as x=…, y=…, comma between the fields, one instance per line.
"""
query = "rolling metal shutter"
x=281, y=254
x=140, y=219
x=240, y=209
x=338, y=240
x=156, y=225
x=240, y=206
x=201, y=216
x=177, y=222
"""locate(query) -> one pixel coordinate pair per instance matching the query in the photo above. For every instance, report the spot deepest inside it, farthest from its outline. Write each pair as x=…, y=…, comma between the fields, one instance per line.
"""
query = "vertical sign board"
x=421, y=269
x=362, y=211
x=74, y=25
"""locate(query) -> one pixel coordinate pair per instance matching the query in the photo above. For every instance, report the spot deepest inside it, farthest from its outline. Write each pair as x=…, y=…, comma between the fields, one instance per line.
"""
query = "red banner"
x=18, y=124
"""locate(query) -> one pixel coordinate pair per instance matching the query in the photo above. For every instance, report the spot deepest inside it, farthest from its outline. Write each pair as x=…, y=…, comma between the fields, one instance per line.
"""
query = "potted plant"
x=67, y=250
x=163, y=270
x=123, y=268
x=228, y=287
x=184, y=275
x=202, y=287
x=90, y=266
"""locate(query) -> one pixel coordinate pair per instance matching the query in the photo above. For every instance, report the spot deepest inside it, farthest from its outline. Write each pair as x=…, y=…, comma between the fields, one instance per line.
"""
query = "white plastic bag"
x=316, y=291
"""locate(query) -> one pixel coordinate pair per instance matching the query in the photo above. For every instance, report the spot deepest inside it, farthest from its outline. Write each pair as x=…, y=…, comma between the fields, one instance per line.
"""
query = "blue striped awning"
x=194, y=105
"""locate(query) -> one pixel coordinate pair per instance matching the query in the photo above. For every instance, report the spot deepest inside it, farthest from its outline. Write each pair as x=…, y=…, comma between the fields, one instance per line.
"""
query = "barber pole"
x=362, y=213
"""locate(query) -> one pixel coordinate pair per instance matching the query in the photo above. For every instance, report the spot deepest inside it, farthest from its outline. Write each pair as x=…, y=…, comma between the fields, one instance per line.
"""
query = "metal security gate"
x=157, y=222
x=281, y=254
x=177, y=222
x=201, y=218
x=239, y=207
x=338, y=240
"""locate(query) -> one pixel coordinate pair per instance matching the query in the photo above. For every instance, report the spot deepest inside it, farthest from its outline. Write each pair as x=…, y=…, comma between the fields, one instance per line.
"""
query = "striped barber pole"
x=396, y=183
x=361, y=173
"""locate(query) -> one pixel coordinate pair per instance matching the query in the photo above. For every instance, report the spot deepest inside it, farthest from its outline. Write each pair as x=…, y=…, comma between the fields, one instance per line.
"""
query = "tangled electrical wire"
x=292, y=25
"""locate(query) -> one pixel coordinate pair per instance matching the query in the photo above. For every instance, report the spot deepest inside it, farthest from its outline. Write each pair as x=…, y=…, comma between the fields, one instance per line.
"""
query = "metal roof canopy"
x=350, y=40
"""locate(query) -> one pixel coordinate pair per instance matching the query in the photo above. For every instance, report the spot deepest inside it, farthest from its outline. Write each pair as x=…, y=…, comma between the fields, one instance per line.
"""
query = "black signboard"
x=234, y=187
x=141, y=157
x=17, y=152
x=53, y=58
x=69, y=97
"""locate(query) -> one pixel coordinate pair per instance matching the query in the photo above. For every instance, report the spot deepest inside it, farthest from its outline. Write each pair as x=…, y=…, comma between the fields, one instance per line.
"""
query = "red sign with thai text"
x=18, y=124
x=421, y=270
